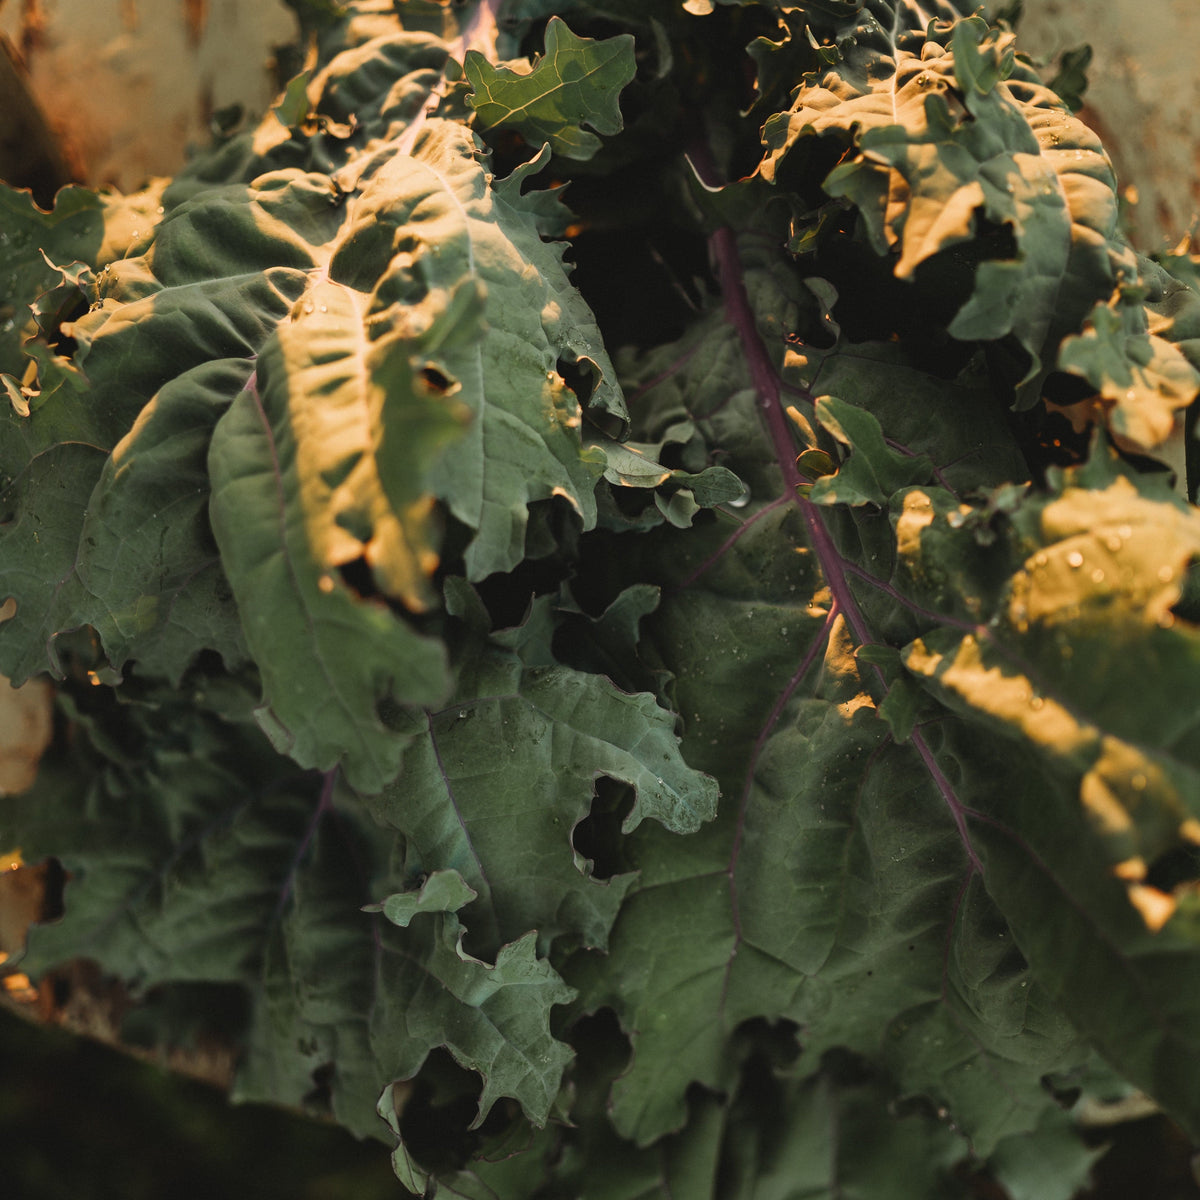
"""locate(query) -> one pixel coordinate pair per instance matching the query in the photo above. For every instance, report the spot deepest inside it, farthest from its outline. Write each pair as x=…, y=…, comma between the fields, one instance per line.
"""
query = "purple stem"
x=834, y=567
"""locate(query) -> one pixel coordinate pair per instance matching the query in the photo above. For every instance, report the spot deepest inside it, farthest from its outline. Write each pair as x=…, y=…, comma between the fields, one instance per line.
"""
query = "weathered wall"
x=1143, y=98
x=129, y=84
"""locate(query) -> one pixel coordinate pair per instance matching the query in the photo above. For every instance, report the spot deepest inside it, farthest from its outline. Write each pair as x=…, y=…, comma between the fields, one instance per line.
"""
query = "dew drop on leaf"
x=1074, y=560
x=739, y=501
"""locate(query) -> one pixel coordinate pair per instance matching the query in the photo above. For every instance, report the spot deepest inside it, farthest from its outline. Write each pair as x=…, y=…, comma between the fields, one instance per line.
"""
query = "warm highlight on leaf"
x=578, y=81
x=626, y=620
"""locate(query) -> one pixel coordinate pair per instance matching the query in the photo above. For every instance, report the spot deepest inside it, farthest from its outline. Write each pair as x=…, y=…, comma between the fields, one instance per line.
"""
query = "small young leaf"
x=442, y=891
x=577, y=82
x=872, y=471
x=1145, y=380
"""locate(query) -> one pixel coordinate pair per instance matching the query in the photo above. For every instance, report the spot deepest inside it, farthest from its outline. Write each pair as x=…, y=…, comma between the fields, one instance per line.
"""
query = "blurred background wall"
x=128, y=85
x=1143, y=98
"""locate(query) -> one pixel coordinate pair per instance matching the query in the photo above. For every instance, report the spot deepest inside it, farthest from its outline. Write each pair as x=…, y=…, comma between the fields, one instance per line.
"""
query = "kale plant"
x=624, y=591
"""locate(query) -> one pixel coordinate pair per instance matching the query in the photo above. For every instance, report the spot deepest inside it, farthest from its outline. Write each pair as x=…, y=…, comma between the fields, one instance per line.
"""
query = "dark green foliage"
x=733, y=751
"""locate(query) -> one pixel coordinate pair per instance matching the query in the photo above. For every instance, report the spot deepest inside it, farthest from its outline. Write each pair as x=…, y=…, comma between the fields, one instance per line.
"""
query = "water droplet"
x=1097, y=576
x=1113, y=542
x=1041, y=558
x=956, y=519
x=1165, y=574
x=1139, y=782
x=1166, y=620
x=1125, y=531
x=1036, y=703
x=1074, y=560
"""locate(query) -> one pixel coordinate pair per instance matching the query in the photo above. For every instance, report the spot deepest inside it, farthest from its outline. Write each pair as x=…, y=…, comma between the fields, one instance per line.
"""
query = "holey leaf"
x=372, y=328
x=196, y=863
x=523, y=440
x=317, y=464
x=577, y=81
x=833, y=890
x=798, y=798
x=494, y=784
x=497, y=1016
x=340, y=446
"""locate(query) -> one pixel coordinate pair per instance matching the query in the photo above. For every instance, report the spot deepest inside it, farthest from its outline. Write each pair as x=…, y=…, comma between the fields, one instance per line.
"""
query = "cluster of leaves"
x=692, y=693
